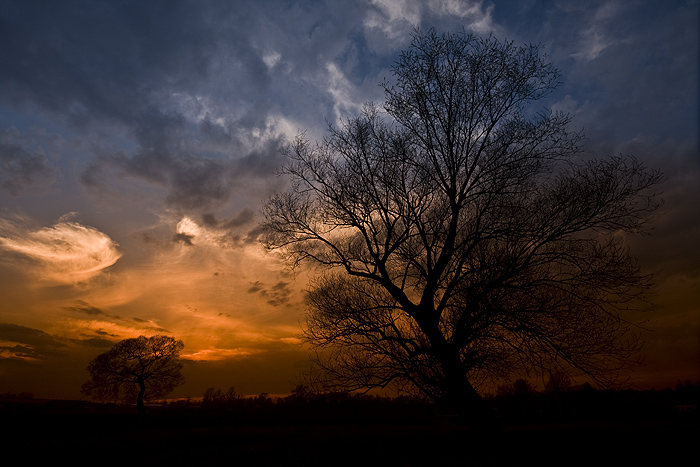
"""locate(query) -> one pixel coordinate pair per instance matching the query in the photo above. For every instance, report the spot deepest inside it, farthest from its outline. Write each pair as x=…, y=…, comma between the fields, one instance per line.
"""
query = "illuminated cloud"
x=216, y=234
x=121, y=328
x=212, y=355
x=66, y=252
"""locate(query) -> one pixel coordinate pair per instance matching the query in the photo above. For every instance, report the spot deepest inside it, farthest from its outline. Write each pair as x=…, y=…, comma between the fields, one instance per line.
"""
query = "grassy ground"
x=179, y=438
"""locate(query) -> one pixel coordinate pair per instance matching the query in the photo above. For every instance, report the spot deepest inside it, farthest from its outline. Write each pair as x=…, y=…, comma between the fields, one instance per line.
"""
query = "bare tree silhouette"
x=136, y=370
x=464, y=237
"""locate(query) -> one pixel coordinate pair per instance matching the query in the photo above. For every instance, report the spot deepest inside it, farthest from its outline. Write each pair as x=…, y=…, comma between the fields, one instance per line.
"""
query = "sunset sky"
x=139, y=139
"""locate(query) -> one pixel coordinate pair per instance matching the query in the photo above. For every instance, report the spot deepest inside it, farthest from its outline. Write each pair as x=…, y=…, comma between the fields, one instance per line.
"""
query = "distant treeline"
x=21, y=395
x=516, y=403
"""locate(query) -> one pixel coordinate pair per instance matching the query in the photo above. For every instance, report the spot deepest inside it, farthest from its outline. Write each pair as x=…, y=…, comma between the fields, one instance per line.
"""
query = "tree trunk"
x=470, y=407
x=460, y=395
x=139, y=399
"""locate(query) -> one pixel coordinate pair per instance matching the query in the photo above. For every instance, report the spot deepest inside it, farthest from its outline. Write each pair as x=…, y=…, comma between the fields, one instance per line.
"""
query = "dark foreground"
x=358, y=434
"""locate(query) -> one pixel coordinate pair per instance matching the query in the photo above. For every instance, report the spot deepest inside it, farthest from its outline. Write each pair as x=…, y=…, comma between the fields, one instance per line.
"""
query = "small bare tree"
x=464, y=236
x=137, y=370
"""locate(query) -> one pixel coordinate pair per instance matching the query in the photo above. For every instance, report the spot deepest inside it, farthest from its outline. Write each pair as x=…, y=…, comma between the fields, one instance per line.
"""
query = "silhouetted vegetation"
x=21, y=395
x=340, y=429
x=463, y=237
x=136, y=370
x=522, y=404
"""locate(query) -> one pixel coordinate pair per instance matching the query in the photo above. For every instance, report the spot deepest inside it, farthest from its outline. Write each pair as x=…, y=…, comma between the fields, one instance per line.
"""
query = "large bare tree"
x=136, y=370
x=463, y=236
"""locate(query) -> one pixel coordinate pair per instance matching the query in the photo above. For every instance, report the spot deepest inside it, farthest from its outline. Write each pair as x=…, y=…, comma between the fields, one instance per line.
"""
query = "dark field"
x=350, y=432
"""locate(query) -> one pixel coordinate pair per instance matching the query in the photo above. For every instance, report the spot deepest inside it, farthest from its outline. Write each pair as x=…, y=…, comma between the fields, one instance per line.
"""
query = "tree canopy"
x=463, y=236
x=136, y=370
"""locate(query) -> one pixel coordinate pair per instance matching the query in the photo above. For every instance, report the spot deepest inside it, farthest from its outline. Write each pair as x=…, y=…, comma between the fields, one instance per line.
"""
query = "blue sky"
x=138, y=141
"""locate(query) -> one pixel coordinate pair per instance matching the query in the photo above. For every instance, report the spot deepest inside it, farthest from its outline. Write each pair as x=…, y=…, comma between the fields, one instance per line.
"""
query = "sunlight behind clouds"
x=219, y=354
x=168, y=142
x=65, y=253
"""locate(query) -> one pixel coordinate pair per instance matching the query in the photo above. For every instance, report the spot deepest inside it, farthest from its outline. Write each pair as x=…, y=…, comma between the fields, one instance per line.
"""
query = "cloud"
x=65, y=253
x=596, y=37
x=473, y=13
x=277, y=295
x=256, y=287
x=393, y=18
x=396, y=19
x=165, y=120
x=100, y=60
x=244, y=217
x=23, y=343
x=20, y=169
x=181, y=86
x=196, y=182
x=212, y=355
x=84, y=307
x=96, y=342
x=215, y=233
x=23, y=161
x=185, y=239
x=115, y=326
x=344, y=94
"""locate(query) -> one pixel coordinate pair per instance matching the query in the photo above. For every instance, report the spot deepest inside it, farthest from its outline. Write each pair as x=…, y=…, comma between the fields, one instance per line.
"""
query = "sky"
x=139, y=140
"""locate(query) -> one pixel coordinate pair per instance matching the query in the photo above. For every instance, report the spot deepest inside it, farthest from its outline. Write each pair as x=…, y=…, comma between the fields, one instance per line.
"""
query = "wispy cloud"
x=394, y=18
x=600, y=33
x=66, y=252
x=84, y=307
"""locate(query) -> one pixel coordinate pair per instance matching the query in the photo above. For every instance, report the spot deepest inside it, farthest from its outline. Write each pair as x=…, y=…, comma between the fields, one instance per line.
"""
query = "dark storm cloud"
x=661, y=95
x=183, y=238
x=193, y=181
x=96, y=342
x=244, y=217
x=91, y=59
x=628, y=68
x=277, y=295
x=177, y=77
x=99, y=339
x=20, y=169
x=256, y=287
x=21, y=342
x=22, y=166
x=84, y=307
x=630, y=81
x=191, y=86
x=152, y=327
